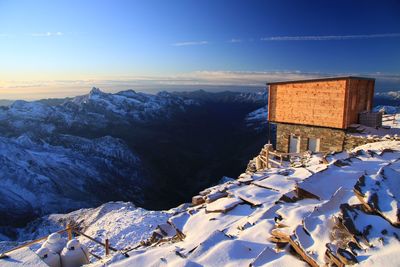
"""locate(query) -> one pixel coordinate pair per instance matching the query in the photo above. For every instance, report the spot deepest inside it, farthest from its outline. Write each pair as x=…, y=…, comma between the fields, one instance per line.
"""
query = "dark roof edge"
x=309, y=125
x=324, y=79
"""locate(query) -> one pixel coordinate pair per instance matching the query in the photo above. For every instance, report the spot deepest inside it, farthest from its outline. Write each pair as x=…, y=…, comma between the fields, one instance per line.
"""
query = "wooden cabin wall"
x=360, y=98
x=319, y=103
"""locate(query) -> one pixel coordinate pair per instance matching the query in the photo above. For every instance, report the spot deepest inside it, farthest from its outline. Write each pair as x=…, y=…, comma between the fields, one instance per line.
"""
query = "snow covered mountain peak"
x=95, y=91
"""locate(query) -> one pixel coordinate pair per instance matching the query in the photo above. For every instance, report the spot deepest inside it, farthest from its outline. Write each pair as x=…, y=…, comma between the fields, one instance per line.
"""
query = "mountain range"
x=59, y=155
x=157, y=151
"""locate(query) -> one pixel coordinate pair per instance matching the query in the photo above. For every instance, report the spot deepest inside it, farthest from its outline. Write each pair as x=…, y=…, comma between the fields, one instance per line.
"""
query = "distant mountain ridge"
x=5, y=102
x=59, y=155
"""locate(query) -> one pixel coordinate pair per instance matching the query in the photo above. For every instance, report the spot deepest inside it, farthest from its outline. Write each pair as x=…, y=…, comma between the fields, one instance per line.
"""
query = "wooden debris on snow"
x=197, y=200
x=163, y=233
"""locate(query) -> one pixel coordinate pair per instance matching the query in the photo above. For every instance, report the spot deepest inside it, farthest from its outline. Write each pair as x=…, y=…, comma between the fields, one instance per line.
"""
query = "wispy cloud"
x=330, y=37
x=191, y=43
x=235, y=40
x=46, y=34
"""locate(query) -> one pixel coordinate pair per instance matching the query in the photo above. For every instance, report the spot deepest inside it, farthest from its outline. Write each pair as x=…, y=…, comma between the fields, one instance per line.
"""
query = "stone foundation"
x=330, y=139
x=353, y=141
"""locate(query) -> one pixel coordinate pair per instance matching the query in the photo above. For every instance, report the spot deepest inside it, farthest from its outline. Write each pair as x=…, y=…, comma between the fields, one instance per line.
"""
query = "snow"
x=390, y=129
x=239, y=223
x=324, y=184
x=282, y=183
x=386, y=109
x=33, y=171
x=256, y=195
x=382, y=192
x=22, y=257
x=97, y=109
x=257, y=118
x=270, y=257
x=240, y=236
x=292, y=214
x=223, y=204
x=384, y=256
x=122, y=223
x=318, y=225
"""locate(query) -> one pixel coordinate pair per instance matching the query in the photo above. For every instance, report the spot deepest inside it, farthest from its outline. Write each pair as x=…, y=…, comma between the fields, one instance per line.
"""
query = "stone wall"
x=353, y=141
x=330, y=139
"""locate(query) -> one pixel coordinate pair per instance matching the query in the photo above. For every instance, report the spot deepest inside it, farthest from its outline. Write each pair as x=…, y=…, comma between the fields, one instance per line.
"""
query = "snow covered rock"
x=49, y=257
x=386, y=109
x=251, y=223
x=330, y=228
x=74, y=254
x=55, y=243
x=381, y=193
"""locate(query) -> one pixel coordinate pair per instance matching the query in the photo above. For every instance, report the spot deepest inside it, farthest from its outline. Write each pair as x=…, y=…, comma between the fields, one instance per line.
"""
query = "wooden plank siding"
x=333, y=103
x=361, y=95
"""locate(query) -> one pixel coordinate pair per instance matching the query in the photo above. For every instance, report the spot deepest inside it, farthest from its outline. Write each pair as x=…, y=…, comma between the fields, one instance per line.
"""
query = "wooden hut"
x=314, y=114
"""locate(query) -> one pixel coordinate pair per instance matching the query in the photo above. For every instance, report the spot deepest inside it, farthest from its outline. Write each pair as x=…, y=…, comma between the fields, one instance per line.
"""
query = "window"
x=313, y=144
x=294, y=144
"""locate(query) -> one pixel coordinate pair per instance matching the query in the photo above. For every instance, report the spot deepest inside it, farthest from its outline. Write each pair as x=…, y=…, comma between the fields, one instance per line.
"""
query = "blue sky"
x=59, y=48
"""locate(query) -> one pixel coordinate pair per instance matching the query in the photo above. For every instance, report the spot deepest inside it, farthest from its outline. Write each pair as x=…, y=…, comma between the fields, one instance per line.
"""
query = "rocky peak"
x=96, y=91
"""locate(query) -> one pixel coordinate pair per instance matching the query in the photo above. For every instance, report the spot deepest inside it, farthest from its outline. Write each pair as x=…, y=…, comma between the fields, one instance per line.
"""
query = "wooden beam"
x=69, y=231
x=95, y=240
x=275, y=162
x=29, y=243
x=107, y=246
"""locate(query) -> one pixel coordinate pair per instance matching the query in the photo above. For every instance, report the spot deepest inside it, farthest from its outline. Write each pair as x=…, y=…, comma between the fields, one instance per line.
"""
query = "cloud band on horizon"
x=213, y=80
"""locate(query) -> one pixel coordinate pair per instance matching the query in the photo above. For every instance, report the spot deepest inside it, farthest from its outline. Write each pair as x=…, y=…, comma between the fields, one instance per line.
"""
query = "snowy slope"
x=255, y=219
x=258, y=118
x=38, y=178
x=240, y=224
x=46, y=166
x=123, y=223
x=386, y=109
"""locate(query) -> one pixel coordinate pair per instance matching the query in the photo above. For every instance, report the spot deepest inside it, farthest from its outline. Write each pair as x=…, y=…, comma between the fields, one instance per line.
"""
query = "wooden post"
x=69, y=231
x=259, y=163
x=107, y=246
x=267, y=156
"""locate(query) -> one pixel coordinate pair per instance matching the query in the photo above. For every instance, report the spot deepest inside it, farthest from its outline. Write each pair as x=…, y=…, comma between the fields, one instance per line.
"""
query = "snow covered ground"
x=318, y=211
x=124, y=224
x=390, y=129
x=341, y=208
